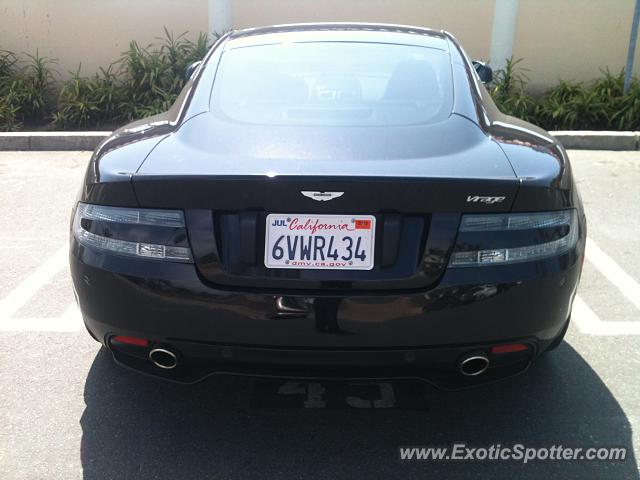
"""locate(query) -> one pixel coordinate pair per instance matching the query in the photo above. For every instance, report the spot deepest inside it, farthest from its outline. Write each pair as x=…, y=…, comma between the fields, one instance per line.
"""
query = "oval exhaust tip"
x=474, y=364
x=163, y=358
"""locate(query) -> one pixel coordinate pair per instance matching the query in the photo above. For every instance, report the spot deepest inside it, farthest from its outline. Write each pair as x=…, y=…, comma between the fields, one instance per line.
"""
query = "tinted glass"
x=333, y=83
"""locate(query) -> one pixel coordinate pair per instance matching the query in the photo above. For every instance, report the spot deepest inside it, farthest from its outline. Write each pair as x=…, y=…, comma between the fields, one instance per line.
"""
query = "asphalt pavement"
x=67, y=412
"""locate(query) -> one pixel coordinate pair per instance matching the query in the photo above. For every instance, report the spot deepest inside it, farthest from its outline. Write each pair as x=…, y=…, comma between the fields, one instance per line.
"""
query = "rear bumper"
x=341, y=335
x=438, y=366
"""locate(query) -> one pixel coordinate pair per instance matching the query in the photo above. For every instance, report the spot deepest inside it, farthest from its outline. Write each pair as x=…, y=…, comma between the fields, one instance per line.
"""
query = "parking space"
x=67, y=412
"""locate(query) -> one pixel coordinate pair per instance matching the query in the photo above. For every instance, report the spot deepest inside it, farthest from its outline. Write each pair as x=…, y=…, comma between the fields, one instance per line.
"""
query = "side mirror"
x=190, y=69
x=484, y=71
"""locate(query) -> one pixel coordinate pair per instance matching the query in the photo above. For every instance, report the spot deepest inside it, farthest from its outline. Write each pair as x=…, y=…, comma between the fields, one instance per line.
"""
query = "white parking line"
x=588, y=322
x=30, y=285
x=71, y=321
x=613, y=272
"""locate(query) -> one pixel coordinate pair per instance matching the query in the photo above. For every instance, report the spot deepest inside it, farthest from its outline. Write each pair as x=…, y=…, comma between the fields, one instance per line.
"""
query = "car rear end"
x=339, y=238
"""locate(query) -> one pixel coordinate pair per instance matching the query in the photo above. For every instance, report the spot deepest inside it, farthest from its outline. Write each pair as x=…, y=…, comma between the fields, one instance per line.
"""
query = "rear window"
x=333, y=83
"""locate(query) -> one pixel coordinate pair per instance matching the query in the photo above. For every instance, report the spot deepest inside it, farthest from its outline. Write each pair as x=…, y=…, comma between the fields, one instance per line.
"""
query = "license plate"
x=320, y=242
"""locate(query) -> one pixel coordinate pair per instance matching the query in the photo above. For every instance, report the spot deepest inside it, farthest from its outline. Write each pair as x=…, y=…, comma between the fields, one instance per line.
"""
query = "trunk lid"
x=416, y=181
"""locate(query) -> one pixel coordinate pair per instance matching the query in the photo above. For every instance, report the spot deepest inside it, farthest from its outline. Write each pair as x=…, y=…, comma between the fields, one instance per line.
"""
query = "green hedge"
x=26, y=90
x=143, y=82
x=146, y=81
x=599, y=105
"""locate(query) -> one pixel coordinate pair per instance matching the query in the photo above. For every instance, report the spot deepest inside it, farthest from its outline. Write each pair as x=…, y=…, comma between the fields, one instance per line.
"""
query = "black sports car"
x=330, y=200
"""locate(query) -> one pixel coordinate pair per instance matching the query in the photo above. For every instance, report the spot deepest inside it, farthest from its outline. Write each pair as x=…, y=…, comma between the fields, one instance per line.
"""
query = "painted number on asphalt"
x=372, y=395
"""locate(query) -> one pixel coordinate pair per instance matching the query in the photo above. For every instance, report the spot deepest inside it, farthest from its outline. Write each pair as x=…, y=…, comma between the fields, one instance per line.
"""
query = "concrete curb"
x=581, y=140
x=594, y=140
x=51, y=140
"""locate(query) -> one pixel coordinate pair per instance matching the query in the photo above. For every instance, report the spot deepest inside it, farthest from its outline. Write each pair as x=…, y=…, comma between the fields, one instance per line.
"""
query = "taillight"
x=138, y=342
x=133, y=232
x=509, y=348
x=496, y=239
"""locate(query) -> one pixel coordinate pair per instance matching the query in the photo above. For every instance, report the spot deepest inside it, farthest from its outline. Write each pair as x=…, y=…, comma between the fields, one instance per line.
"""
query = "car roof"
x=338, y=32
